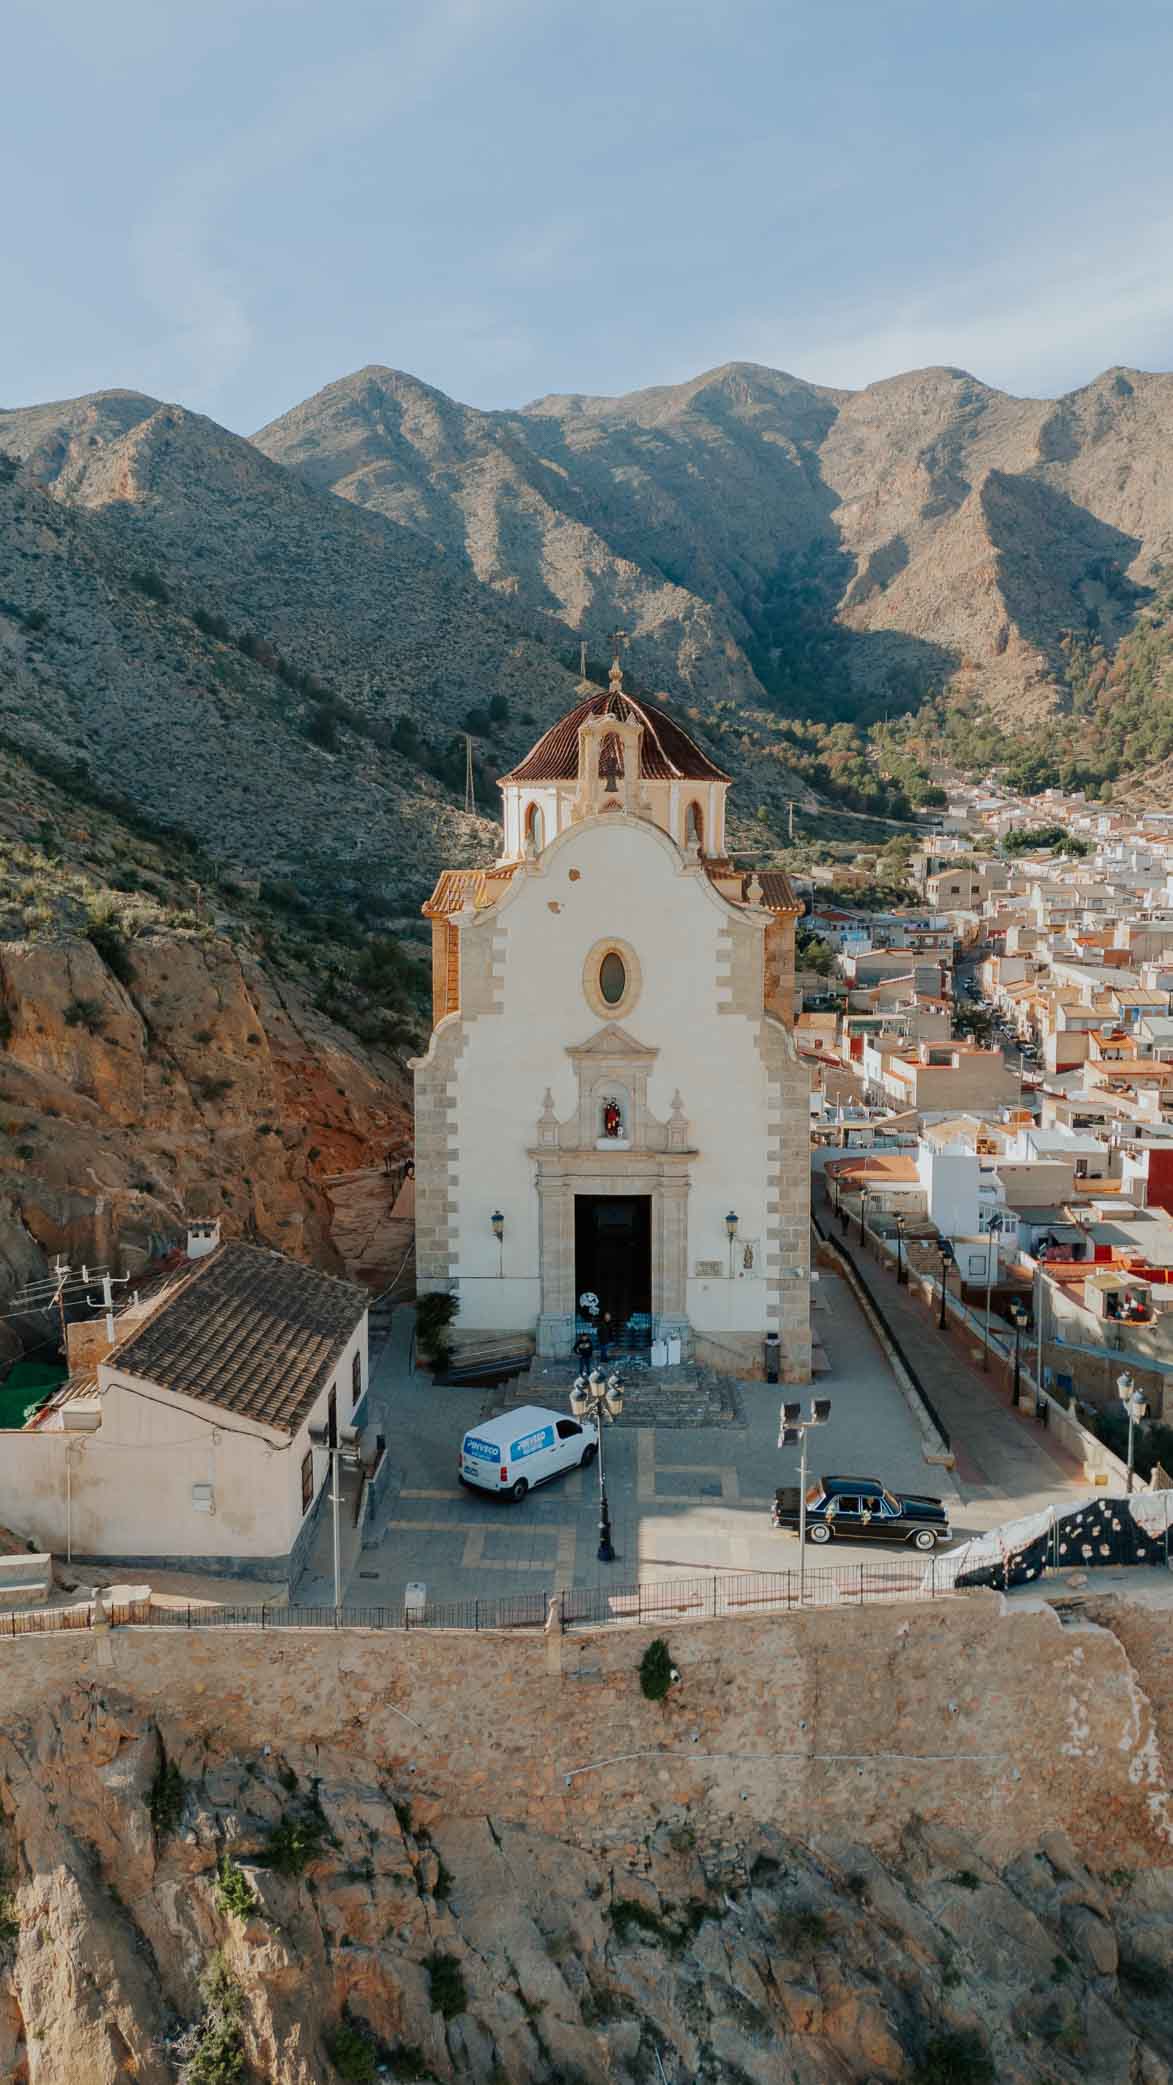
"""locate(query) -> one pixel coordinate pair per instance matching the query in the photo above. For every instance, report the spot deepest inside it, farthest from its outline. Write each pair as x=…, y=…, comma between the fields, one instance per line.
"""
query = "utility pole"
x=790, y=830
x=1039, y=1330
x=470, y=792
x=582, y=663
x=61, y=1288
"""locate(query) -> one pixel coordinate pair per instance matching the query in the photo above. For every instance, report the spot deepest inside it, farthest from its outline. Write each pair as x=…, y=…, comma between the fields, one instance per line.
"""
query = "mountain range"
x=769, y=540
x=276, y=642
x=236, y=678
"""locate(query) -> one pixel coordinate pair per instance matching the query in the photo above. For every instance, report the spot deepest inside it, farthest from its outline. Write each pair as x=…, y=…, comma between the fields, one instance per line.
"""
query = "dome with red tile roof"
x=667, y=753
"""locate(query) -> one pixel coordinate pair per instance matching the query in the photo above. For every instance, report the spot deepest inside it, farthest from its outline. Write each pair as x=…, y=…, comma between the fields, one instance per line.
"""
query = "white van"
x=512, y=1453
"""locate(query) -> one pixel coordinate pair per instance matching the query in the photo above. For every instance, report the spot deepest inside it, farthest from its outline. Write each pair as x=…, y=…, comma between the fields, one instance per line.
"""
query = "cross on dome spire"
x=616, y=677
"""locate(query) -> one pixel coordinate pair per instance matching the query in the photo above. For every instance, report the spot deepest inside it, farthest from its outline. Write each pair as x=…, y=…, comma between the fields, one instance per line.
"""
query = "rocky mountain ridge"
x=931, y=530
x=236, y=653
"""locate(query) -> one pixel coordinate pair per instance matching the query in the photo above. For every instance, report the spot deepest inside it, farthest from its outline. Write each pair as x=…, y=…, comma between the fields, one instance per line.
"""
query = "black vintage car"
x=861, y=1509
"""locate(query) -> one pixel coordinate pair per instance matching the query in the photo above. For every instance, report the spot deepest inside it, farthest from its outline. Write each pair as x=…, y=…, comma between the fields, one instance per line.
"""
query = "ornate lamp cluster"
x=601, y=1399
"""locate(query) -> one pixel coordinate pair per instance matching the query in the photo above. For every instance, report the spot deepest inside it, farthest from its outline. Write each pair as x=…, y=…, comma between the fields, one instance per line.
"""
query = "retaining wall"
x=984, y=1714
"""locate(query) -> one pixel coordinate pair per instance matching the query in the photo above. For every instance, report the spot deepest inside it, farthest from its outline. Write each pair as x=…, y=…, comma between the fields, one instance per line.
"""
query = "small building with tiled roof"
x=612, y=1105
x=190, y=1449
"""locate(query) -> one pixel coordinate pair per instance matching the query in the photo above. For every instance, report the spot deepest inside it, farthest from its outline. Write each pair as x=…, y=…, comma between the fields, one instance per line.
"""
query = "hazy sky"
x=232, y=202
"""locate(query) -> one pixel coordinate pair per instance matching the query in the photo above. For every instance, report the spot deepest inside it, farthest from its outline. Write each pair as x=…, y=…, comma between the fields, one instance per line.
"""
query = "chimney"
x=203, y=1236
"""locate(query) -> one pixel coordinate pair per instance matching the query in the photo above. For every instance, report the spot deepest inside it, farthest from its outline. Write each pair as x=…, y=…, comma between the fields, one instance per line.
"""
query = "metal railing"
x=719, y=1594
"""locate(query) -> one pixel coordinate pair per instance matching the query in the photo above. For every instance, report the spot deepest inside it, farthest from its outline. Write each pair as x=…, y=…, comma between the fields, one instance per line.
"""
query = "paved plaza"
x=684, y=1501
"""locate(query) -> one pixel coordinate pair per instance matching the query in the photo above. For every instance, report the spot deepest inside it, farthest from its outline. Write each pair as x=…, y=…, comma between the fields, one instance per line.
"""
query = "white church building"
x=611, y=1106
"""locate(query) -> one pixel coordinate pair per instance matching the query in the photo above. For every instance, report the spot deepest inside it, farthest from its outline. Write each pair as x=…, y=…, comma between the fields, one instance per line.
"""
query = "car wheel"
x=924, y=1538
x=588, y=1455
x=518, y=1491
x=818, y=1532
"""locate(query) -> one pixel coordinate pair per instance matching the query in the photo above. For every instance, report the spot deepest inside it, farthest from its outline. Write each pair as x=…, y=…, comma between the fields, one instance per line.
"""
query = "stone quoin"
x=611, y=1067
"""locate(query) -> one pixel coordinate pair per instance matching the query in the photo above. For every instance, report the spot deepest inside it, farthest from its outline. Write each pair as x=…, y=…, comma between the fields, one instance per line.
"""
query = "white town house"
x=611, y=1105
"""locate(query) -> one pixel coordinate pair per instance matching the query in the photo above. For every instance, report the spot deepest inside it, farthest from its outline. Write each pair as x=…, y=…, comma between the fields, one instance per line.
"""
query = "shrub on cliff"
x=297, y=1839
x=165, y=1800
x=9, y=1920
x=215, y=2049
x=233, y=1893
x=113, y=949
x=85, y=1013
x=446, y=1987
x=352, y=2054
x=655, y=1670
x=954, y=2059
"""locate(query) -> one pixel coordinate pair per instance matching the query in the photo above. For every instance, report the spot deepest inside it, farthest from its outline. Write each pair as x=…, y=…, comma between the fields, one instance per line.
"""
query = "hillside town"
x=994, y=1066
x=586, y=1045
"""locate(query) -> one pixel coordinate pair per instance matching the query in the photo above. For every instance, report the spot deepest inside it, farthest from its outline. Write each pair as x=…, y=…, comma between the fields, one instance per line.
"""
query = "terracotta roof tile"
x=667, y=753
x=250, y=1332
x=456, y=886
x=778, y=891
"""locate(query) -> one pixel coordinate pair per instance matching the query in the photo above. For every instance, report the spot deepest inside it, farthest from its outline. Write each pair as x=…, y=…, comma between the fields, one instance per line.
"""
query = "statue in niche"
x=612, y=1118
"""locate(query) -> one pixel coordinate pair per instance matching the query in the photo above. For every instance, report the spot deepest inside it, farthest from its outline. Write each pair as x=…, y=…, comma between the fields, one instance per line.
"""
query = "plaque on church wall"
x=706, y=1267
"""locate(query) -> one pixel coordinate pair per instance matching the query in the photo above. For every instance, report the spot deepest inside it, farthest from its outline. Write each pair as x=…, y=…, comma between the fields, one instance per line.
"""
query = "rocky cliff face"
x=166, y=1050
x=195, y=1085
x=173, y=1910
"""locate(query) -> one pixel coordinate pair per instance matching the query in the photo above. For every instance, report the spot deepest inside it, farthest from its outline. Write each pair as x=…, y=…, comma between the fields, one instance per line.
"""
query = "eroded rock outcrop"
x=192, y=1081
x=308, y=1916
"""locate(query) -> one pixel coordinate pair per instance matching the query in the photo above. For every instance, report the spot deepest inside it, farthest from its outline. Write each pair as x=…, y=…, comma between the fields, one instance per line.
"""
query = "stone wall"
x=975, y=1714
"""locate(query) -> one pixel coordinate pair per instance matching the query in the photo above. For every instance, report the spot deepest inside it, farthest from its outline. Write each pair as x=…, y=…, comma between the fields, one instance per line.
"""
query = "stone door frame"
x=665, y=1177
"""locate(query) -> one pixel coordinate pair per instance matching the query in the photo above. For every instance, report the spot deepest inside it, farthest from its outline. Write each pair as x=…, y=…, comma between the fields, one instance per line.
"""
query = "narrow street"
x=1007, y=1464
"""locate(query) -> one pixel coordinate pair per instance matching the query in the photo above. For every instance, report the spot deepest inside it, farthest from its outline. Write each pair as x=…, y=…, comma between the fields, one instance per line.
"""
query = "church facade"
x=612, y=1122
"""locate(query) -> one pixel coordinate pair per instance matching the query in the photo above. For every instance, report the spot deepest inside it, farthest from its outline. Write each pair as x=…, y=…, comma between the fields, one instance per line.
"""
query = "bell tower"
x=609, y=758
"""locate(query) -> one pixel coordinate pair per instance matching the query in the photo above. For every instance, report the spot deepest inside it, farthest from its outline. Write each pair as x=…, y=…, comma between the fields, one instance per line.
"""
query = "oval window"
x=612, y=978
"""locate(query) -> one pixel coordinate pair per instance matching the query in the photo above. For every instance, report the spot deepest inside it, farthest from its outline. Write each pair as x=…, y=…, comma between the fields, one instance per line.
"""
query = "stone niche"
x=578, y=1156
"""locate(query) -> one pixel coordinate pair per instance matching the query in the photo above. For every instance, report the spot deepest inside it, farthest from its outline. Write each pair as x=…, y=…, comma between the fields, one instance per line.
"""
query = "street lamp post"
x=341, y=1445
x=993, y=1227
x=1018, y=1320
x=1136, y=1407
x=864, y=1197
x=592, y=1398
x=948, y=1257
x=901, y=1270
x=792, y=1433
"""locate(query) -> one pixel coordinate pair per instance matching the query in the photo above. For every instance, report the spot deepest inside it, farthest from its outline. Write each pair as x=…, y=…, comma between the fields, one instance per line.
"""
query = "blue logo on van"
x=485, y=1451
x=533, y=1443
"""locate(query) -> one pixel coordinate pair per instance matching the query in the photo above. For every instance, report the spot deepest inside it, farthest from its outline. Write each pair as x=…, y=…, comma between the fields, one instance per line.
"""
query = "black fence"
x=1104, y=1533
x=591, y=1607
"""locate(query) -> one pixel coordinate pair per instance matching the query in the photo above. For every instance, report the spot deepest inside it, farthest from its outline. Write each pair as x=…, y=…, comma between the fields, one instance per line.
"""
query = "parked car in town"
x=861, y=1509
x=511, y=1454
